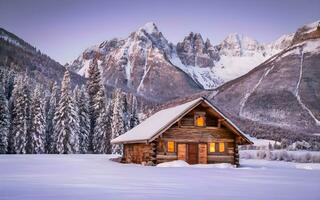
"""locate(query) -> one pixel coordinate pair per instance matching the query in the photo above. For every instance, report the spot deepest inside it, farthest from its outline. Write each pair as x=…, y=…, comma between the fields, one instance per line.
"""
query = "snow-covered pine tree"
x=133, y=111
x=7, y=77
x=36, y=136
x=52, y=107
x=102, y=133
x=94, y=85
x=66, y=126
x=119, y=119
x=20, y=116
x=4, y=122
x=82, y=100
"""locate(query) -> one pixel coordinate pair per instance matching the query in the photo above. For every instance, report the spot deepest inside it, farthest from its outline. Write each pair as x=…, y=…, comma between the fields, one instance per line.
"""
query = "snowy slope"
x=278, y=100
x=40, y=177
x=205, y=76
x=239, y=54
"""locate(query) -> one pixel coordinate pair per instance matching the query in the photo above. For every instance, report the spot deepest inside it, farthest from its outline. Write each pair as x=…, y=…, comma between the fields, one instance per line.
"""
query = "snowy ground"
x=95, y=177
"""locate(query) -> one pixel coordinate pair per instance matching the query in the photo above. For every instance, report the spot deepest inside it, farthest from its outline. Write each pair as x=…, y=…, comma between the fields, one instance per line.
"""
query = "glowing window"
x=212, y=147
x=200, y=120
x=221, y=147
x=170, y=146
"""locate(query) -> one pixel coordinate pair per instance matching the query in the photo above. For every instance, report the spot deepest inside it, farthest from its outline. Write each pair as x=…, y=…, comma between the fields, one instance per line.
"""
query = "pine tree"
x=7, y=77
x=82, y=100
x=133, y=111
x=20, y=115
x=66, y=126
x=102, y=134
x=94, y=85
x=52, y=107
x=36, y=136
x=118, y=122
x=4, y=122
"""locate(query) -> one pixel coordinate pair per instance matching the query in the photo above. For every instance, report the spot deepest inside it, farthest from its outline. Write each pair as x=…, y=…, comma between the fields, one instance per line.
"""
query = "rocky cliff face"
x=307, y=32
x=239, y=45
x=193, y=51
x=281, y=95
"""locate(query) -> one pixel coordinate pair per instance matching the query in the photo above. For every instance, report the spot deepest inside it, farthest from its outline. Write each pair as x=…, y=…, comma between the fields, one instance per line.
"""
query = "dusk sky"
x=63, y=29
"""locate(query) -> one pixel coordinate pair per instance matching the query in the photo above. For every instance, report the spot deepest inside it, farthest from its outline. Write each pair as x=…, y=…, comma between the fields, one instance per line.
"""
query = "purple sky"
x=64, y=28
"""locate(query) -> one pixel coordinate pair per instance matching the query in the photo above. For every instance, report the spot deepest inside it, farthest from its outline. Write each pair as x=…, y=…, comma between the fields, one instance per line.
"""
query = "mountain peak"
x=149, y=27
x=239, y=45
x=194, y=36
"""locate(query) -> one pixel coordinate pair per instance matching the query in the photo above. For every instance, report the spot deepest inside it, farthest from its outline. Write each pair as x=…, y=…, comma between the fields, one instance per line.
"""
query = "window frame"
x=200, y=114
x=174, y=146
x=214, y=143
x=217, y=148
x=224, y=147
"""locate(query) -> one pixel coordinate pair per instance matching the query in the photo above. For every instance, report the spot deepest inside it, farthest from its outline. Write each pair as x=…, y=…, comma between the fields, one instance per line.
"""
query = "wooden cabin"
x=196, y=132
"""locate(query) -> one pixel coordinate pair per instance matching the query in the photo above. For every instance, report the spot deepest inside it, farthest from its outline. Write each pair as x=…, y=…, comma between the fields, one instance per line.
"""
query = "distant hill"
x=20, y=56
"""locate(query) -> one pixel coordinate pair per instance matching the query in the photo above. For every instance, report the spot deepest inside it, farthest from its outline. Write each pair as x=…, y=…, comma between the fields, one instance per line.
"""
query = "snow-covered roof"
x=159, y=122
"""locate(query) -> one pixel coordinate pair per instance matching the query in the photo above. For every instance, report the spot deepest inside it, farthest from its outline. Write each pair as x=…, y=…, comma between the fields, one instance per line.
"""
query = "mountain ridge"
x=21, y=57
x=207, y=65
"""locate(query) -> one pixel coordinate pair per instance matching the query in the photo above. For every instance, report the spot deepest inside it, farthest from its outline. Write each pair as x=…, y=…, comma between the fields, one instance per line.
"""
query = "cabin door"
x=193, y=153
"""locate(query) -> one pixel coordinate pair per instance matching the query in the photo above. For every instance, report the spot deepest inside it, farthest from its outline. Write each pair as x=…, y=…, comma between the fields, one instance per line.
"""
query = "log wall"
x=138, y=153
x=202, y=136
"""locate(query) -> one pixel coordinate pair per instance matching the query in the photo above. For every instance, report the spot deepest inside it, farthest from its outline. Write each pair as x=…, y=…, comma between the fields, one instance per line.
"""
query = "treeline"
x=63, y=120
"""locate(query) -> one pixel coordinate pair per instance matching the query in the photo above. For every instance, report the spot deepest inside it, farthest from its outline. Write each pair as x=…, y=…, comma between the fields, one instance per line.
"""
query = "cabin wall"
x=137, y=153
x=202, y=136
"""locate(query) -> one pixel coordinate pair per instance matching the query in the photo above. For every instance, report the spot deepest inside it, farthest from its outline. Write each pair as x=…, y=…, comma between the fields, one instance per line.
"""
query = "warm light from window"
x=170, y=146
x=212, y=147
x=221, y=147
x=200, y=121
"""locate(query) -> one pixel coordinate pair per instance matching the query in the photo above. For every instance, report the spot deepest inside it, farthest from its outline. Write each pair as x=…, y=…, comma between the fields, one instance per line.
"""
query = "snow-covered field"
x=95, y=177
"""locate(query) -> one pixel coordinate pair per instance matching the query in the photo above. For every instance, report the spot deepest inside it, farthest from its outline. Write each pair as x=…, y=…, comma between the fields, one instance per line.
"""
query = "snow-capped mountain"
x=147, y=63
x=197, y=59
x=139, y=63
x=280, y=98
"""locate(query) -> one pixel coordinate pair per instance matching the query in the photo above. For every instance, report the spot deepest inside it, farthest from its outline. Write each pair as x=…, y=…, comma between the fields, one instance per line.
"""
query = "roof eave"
x=129, y=142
